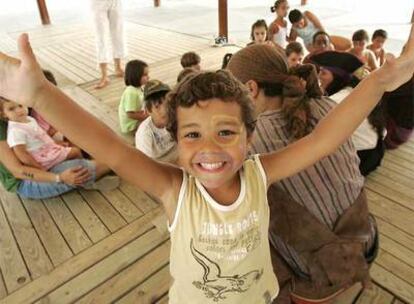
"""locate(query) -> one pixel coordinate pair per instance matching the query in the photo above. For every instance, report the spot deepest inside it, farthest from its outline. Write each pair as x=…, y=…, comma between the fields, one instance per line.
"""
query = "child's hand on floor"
x=397, y=71
x=21, y=80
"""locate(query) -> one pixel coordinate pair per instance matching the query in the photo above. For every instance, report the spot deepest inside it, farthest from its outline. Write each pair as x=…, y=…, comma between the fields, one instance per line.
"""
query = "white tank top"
x=280, y=37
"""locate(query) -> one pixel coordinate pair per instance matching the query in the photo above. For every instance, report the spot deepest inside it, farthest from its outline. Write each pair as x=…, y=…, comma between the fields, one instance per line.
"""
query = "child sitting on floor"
x=377, y=46
x=191, y=60
x=31, y=144
x=131, y=107
x=216, y=203
x=294, y=53
x=359, y=42
x=152, y=138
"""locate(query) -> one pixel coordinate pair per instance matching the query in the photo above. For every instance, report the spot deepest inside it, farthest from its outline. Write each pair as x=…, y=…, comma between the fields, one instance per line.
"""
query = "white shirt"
x=29, y=134
x=365, y=137
x=155, y=142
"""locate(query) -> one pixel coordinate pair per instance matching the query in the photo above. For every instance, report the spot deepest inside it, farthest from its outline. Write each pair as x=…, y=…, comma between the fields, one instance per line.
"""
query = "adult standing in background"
x=107, y=14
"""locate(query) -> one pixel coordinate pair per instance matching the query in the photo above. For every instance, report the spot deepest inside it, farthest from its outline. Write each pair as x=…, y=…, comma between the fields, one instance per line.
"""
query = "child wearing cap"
x=152, y=138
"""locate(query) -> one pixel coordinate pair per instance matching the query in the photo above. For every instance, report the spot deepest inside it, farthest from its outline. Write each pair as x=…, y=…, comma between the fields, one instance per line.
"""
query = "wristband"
x=57, y=178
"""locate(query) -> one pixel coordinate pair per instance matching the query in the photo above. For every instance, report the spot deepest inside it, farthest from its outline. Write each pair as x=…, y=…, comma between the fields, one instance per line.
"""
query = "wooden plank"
x=135, y=274
x=55, y=245
x=397, y=301
x=398, y=169
x=386, y=173
x=122, y=204
x=12, y=266
x=392, y=283
x=396, y=266
x=69, y=227
x=3, y=290
x=403, y=253
x=138, y=197
x=89, y=221
x=374, y=295
x=35, y=257
x=390, y=212
x=396, y=192
x=105, y=269
x=154, y=287
x=108, y=215
x=396, y=234
x=163, y=300
x=46, y=55
x=81, y=262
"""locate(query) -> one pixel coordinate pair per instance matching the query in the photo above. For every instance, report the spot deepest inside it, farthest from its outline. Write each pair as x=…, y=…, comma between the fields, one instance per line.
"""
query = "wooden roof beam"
x=43, y=12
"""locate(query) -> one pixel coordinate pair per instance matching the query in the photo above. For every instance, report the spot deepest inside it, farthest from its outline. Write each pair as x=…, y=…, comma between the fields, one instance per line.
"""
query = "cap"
x=155, y=86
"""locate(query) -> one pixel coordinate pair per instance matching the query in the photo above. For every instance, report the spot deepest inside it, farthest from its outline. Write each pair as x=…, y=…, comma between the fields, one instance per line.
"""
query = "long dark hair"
x=258, y=23
x=134, y=71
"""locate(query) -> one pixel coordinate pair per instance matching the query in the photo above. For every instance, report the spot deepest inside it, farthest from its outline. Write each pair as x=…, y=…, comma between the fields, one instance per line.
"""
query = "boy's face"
x=158, y=114
x=14, y=112
x=359, y=45
x=300, y=24
x=378, y=42
x=321, y=43
x=212, y=141
x=259, y=34
x=294, y=59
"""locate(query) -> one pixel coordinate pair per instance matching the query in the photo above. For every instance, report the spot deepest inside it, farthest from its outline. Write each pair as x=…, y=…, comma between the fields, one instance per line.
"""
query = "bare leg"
x=101, y=169
x=104, y=76
x=119, y=72
x=74, y=153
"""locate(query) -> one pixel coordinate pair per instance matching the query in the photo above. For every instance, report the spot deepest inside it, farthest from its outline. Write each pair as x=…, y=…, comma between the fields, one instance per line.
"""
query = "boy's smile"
x=212, y=145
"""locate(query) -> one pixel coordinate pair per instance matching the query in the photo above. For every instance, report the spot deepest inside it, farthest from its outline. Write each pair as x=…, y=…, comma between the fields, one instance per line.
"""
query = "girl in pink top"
x=31, y=144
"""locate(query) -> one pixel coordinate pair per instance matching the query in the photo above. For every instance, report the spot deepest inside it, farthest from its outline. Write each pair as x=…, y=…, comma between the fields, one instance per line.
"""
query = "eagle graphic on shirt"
x=215, y=285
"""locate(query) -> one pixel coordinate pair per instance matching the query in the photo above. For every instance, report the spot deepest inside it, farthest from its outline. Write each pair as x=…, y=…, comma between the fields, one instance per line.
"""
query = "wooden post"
x=223, y=25
x=44, y=14
x=157, y=3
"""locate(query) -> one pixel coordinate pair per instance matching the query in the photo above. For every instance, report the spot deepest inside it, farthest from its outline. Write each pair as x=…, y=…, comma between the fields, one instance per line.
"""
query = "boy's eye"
x=226, y=133
x=192, y=135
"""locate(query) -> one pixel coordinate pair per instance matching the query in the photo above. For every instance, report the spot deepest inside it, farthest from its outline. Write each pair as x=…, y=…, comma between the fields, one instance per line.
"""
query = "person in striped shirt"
x=324, y=191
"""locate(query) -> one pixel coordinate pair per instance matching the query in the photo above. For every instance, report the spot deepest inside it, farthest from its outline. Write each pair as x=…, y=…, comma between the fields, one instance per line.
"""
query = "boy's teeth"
x=211, y=166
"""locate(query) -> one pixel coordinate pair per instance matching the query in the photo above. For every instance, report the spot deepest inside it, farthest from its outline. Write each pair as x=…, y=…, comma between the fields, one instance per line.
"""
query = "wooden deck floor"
x=113, y=247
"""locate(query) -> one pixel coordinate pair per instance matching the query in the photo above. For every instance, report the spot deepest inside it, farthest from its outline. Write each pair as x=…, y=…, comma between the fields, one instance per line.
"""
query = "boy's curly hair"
x=202, y=86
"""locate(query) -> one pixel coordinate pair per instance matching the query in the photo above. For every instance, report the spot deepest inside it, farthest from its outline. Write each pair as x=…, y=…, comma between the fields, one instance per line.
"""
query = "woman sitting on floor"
x=337, y=81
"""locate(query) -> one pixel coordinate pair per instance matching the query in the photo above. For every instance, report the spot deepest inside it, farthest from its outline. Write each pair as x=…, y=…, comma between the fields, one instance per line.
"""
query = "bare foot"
x=119, y=72
x=103, y=83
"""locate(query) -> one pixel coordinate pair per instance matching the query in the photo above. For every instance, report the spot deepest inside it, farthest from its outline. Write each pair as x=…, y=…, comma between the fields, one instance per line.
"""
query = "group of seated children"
x=142, y=108
x=33, y=140
x=341, y=64
x=217, y=203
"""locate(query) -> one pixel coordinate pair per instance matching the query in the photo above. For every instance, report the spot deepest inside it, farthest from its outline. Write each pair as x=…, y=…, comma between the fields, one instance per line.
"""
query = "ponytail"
x=298, y=90
x=276, y=5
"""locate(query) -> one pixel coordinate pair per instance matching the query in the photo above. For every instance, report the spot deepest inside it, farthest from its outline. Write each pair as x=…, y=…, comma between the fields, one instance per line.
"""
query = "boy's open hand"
x=21, y=80
x=397, y=71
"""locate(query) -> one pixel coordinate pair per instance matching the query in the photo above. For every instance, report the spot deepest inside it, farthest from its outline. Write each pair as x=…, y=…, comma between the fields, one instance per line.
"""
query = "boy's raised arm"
x=341, y=122
x=23, y=81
